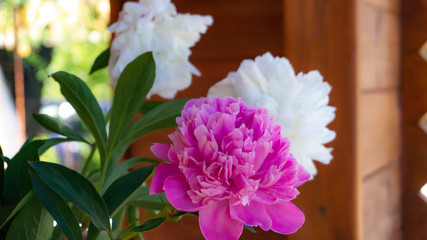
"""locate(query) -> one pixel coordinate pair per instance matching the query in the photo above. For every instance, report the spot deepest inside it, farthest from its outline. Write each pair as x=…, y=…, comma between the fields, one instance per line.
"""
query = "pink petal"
x=303, y=176
x=161, y=150
x=253, y=214
x=176, y=188
x=262, y=149
x=163, y=171
x=216, y=223
x=286, y=217
x=223, y=126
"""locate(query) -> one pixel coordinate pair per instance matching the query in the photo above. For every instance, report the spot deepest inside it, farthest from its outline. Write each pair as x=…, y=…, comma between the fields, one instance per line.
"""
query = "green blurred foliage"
x=77, y=58
x=75, y=29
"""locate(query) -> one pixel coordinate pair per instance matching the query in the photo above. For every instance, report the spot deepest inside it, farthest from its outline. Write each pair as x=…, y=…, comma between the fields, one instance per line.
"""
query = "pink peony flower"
x=229, y=162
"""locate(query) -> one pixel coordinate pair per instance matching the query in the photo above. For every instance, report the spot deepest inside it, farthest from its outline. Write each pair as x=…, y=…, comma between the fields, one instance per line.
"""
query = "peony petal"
x=298, y=103
x=223, y=89
x=161, y=150
x=303, y=176
x=216, y=223
x=286, y=217
x=253, y=214
x=156, y=26
x=163, y=171
x=176, y=188
x=262, y=149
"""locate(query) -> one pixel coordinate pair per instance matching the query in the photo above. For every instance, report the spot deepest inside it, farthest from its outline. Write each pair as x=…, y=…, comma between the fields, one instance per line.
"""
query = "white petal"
x=155, y=25
x=299, y=103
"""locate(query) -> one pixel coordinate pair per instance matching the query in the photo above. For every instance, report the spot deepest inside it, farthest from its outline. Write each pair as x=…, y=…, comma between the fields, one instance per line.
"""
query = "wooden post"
x=378, y=117
x=19, y=78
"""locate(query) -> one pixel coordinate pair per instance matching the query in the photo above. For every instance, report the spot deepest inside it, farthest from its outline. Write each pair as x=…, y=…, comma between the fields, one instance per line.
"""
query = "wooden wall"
x=319, y=34
x=242, y=29
x=295, y=29
x=378, y=130
x=355, y=44
x=414, y=105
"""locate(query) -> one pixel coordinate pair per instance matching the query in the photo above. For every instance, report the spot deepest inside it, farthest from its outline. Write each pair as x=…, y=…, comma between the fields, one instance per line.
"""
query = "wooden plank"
x=385, y=5
x=212, y=72
x=414, y=86
x=378, y=138
x=378, y=129
x=241, y=29
x=381, y=208
x=377, y=48
x=414, y=104
x=414, y=154
x=320, y=34
x=413, y=214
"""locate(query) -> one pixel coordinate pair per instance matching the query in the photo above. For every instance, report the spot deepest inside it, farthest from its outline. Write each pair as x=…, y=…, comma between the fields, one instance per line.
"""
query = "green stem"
x=107, y=116
x=130, y=236
x=104, y=165
x=133, y=214
x=104, y=153
x=89, y=160
x=132, y=224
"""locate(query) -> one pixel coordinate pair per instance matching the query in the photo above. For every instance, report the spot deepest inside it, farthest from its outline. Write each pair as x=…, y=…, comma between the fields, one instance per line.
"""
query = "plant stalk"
x=89, y=160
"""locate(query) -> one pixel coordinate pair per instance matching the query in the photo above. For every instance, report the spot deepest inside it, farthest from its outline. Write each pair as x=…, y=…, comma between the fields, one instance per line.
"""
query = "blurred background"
x=368, y=50
x=40, y=37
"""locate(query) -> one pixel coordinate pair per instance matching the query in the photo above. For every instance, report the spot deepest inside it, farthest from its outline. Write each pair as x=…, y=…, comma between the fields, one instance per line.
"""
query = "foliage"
x=35, y=193
x=74, y=30
x=77, y=61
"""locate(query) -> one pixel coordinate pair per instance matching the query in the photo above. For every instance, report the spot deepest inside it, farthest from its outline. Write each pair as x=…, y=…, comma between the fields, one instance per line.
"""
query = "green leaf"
x=149, y=105
x=81, y=98
x=179, y=213
x=117, y=194
x=133, y=218
x=7, y=160
x=57, y=208
x=104, y=237
x=48, y=143
x=76, y=189
x=162, y=116
x=2, y=161
x=133, y=85
x=93, y=232
x=250, y=228
x=142, y=198
x=16, y=178
x=56, y=126
x=133, y=215
x=122, y=168
x=7, y=213
x=148, y=225
x=32, y=223
x=57, y=234
x=101, y=61
x=5, y=216
x=118, y=221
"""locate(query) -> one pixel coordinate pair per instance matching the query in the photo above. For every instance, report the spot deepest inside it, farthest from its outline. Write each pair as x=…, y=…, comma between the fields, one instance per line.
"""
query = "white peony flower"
x=299, y=103
x=155, y=25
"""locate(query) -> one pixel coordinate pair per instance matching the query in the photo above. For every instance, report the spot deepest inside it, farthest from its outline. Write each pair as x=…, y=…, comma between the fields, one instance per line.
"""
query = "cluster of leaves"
x=35, y=193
